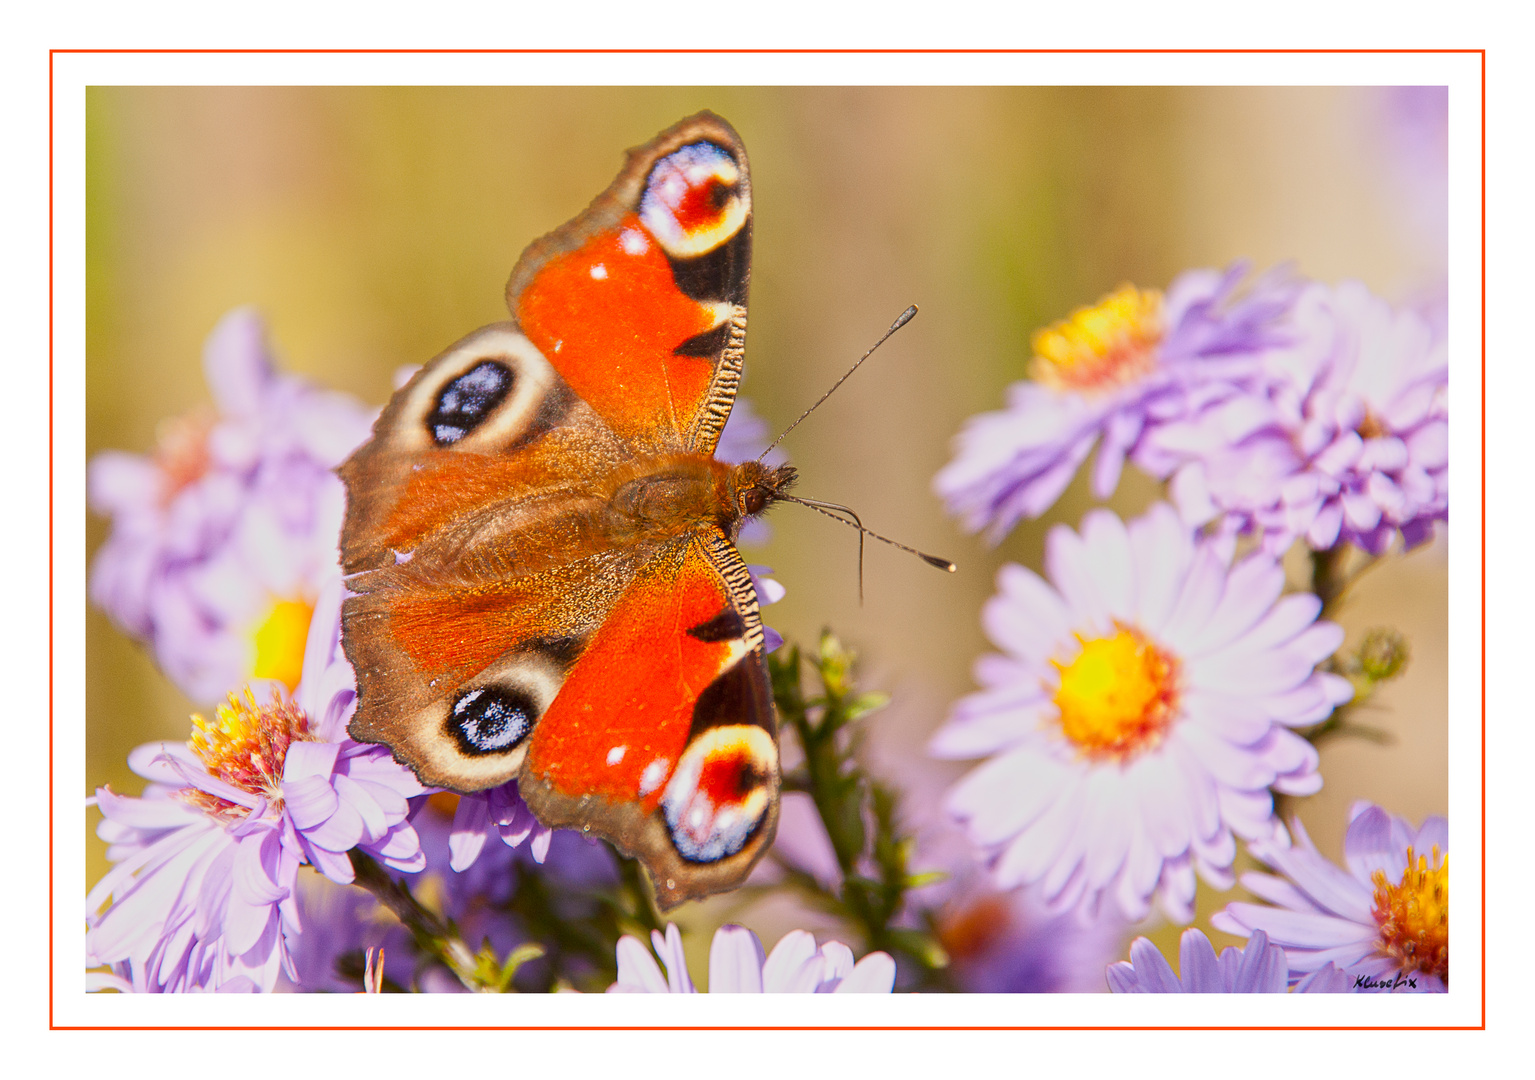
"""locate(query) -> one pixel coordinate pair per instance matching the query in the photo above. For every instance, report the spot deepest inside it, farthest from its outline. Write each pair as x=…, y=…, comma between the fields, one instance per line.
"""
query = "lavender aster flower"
x=499, y=811
x=221, y=540
x=1386, y=920
x=1350, y=441
x=203, y=892
x=1255, y=968
x=1139, y=716
x=175, y=887
x=769, y=591
x=342, y=923
x=737, y=966
x=1108, y=375
x=1010, y=944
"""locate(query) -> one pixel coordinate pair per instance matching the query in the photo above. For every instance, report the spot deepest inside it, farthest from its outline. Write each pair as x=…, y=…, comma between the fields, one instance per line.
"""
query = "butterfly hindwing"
x=640, y=302
x=679, y=765
x=454, y=673
x=463, y=542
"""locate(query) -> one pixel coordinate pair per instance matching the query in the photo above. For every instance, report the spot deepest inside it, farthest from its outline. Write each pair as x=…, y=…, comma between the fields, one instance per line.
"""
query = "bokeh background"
x=375, y=226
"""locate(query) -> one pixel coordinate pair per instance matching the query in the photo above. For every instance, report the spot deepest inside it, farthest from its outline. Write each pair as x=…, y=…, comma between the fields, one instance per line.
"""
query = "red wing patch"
x=610, y=317
x=624, y=716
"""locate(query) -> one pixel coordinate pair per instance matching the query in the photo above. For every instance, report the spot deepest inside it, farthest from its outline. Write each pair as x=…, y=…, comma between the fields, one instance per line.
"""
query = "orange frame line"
x=1482, y=52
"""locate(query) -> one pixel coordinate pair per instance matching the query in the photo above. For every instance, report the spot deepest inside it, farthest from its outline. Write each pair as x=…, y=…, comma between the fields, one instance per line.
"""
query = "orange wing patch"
x=609, y=317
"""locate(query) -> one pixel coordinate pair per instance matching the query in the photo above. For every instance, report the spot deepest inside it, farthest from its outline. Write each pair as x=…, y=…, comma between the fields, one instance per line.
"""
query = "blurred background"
x=375, y=226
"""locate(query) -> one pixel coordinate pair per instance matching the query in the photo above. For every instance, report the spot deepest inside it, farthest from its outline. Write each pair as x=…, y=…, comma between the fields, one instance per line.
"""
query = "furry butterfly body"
x=541, y=543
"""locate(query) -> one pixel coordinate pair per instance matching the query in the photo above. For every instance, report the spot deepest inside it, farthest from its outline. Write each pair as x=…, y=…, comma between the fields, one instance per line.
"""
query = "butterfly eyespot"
x=721, y=792
x=467, y=401
x=694, y=200
x=491, y=719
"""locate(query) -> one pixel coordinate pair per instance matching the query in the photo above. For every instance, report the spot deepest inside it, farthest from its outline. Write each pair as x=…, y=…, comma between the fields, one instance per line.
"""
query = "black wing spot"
x=467, y=401
x=491, y=719
x=708, y=344
x=726, y=626
x=740, y=695
x=719, y=274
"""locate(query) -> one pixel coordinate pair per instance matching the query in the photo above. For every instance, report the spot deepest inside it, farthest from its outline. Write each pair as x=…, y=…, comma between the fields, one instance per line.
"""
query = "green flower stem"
x=580, y=931
x=1332, y=576
x=860, y=814
x=431, y=934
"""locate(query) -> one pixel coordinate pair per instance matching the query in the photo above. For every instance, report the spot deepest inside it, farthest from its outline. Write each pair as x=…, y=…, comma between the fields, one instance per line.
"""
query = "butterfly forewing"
x=640, y=303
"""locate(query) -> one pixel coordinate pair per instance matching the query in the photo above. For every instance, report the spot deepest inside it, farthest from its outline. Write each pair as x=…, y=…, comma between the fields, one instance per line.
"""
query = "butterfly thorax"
x=656, y=497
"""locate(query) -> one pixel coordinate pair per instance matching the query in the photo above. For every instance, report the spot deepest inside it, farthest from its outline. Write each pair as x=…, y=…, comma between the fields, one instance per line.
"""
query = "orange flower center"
x=967, y=932
x=1100, y=347
x=1414, y=915
x=181, y=452
x=246, y=745
x=1371, y=427
x=1118, y=696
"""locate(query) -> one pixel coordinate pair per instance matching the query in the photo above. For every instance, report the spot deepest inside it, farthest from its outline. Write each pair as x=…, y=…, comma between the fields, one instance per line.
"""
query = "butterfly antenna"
x=904, y=318
x=833, y=510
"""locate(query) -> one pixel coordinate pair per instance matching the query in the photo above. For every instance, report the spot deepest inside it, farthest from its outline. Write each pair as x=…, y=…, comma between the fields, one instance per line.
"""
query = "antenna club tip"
x=903, y=318
x=942, y=564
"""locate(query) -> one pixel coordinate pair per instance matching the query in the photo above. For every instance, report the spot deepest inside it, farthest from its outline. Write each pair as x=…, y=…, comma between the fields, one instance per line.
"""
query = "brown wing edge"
x=621, y=197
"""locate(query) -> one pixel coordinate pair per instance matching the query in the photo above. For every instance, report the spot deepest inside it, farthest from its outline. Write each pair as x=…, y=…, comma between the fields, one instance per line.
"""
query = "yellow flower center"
x=1118, y=696
x=1100, y=347
x=1414, y=915
x=280, y=641
x=246, y=745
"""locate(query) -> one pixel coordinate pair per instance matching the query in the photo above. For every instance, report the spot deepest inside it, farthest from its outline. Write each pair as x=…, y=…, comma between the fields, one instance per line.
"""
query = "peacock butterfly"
x=540, y=542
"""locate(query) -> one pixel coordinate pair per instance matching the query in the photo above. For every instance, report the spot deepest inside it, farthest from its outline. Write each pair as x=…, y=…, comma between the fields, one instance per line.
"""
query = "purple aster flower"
x=1415, y=161
x=1108, y=375
x=222, y=538
x=769, y=591
x=342, y=923
x=195, y=904
x=1350, y=442
x=499, y=811
x=1255, y=968
x=339, y=920
x=1009, y=943
x=1386, y=920
x=203, y=893
x=737, y=965
x=1139, y=715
